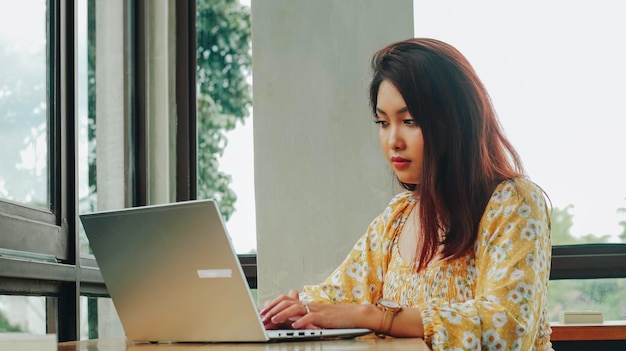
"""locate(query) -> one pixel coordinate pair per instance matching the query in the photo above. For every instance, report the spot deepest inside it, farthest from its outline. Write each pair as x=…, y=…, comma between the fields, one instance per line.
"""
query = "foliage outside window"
x=223, y=91
x=604, y=295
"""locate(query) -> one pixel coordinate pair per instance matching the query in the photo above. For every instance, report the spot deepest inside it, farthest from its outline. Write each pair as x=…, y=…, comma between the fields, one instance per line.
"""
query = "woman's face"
x=400, y=137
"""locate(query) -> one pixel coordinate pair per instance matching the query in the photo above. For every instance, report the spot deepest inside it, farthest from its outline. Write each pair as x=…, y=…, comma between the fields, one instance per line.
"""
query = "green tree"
x=562, y=221
x=224, y=93
x=6, y=326
x=605, y=295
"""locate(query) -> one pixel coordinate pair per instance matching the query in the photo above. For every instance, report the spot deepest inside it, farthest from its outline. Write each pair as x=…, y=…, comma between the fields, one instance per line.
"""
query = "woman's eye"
x=381, y=123
x=409, y=122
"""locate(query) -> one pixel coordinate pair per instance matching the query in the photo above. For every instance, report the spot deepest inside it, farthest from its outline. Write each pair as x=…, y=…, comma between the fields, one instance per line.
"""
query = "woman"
x=462, y=257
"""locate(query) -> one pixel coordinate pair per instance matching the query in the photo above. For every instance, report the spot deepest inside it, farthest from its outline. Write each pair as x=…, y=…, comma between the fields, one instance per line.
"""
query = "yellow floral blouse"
x=493, y=298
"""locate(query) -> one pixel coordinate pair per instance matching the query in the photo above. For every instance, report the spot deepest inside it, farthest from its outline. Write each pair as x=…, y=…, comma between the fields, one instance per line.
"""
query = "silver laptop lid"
x=172, y=273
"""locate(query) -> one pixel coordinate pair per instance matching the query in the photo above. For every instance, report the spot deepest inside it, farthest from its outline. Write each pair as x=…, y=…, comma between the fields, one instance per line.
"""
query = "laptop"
x=173, y=276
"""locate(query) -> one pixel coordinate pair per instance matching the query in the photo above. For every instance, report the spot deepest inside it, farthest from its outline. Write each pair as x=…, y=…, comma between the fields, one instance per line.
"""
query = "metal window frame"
x=39, y=248
x=588, y=261
x=186, y=134
x=64, y=193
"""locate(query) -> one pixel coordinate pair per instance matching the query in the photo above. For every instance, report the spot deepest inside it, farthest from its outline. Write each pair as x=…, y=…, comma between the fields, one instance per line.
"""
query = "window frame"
x=37, y=230
x=39, y=253
x=40, y=248
x=588, y=261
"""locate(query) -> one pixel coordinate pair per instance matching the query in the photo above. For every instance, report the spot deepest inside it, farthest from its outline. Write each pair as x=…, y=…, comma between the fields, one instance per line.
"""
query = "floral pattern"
x=493, y=298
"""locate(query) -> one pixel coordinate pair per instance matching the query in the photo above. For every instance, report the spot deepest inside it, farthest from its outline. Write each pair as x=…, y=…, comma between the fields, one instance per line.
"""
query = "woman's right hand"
x=282, y=311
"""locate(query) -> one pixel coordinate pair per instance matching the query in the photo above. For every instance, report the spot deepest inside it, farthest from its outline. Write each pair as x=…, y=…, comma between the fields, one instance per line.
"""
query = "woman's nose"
x=395, y=138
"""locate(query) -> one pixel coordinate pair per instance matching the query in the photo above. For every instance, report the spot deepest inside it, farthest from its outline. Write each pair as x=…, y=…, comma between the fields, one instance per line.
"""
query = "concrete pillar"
x=320, y=176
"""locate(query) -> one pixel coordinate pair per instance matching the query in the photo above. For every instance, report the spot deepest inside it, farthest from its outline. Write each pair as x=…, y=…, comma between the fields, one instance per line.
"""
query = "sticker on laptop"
x=215, y=273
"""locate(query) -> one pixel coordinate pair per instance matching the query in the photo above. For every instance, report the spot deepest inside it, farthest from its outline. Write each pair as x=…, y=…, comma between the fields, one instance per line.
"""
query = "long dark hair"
x=466, y=153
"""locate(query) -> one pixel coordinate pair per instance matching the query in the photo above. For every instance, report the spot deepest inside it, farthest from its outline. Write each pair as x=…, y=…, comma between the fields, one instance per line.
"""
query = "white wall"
x=320, y=177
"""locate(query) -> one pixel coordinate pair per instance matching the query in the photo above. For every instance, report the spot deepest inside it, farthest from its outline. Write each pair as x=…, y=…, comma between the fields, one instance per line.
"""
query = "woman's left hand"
x=331, y=316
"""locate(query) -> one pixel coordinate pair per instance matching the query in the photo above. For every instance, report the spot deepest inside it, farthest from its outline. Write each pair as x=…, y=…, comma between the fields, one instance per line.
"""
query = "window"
x=79, y=66
x=24, y=105
x=36, y=208
x=225, y=155
x=555, y=76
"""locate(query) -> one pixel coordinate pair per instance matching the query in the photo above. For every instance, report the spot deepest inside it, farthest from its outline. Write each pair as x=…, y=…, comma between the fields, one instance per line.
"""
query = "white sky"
x=25, y=22
x=22, y=31
x=555, y=73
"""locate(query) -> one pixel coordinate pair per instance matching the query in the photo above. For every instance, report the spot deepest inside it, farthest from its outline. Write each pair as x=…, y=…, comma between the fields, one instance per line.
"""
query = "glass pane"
x=86, y=92
x=602, y=295
x=23, y=314
x=224, y=93
x=98, y=319
x=556, y=75
x=23, y=103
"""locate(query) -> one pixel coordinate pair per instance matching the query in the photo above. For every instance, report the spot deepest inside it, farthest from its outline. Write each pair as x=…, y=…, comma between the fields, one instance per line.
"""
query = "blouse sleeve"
x=359, y=278
x=512, y=270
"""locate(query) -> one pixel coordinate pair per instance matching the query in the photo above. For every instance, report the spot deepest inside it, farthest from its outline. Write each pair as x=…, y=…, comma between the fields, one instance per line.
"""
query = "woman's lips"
x=399, y=162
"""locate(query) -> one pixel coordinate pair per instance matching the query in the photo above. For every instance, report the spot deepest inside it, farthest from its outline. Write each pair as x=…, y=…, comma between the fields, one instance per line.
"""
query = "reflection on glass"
x=86, y=87
x=23, y=103
x=23, y=314
x=603, y=295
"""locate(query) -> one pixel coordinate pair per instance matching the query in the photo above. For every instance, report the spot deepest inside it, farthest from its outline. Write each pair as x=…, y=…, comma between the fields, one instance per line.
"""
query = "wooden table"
x=609, y=330
x=361, y=343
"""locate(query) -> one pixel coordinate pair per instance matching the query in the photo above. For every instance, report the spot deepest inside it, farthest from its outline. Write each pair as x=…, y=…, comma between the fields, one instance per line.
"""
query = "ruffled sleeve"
x=359, y=278
x=512, y=260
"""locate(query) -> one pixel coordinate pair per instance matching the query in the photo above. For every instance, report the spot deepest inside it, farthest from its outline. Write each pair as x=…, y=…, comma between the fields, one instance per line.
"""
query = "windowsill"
x=609, y=330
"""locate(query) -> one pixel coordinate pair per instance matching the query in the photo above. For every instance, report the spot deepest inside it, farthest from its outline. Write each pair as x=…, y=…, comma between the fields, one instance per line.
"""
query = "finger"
x=306, y=322
x=287, y=310
x=269, y=325
x=270, y=312
x=270, y=304
x=283, y=312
